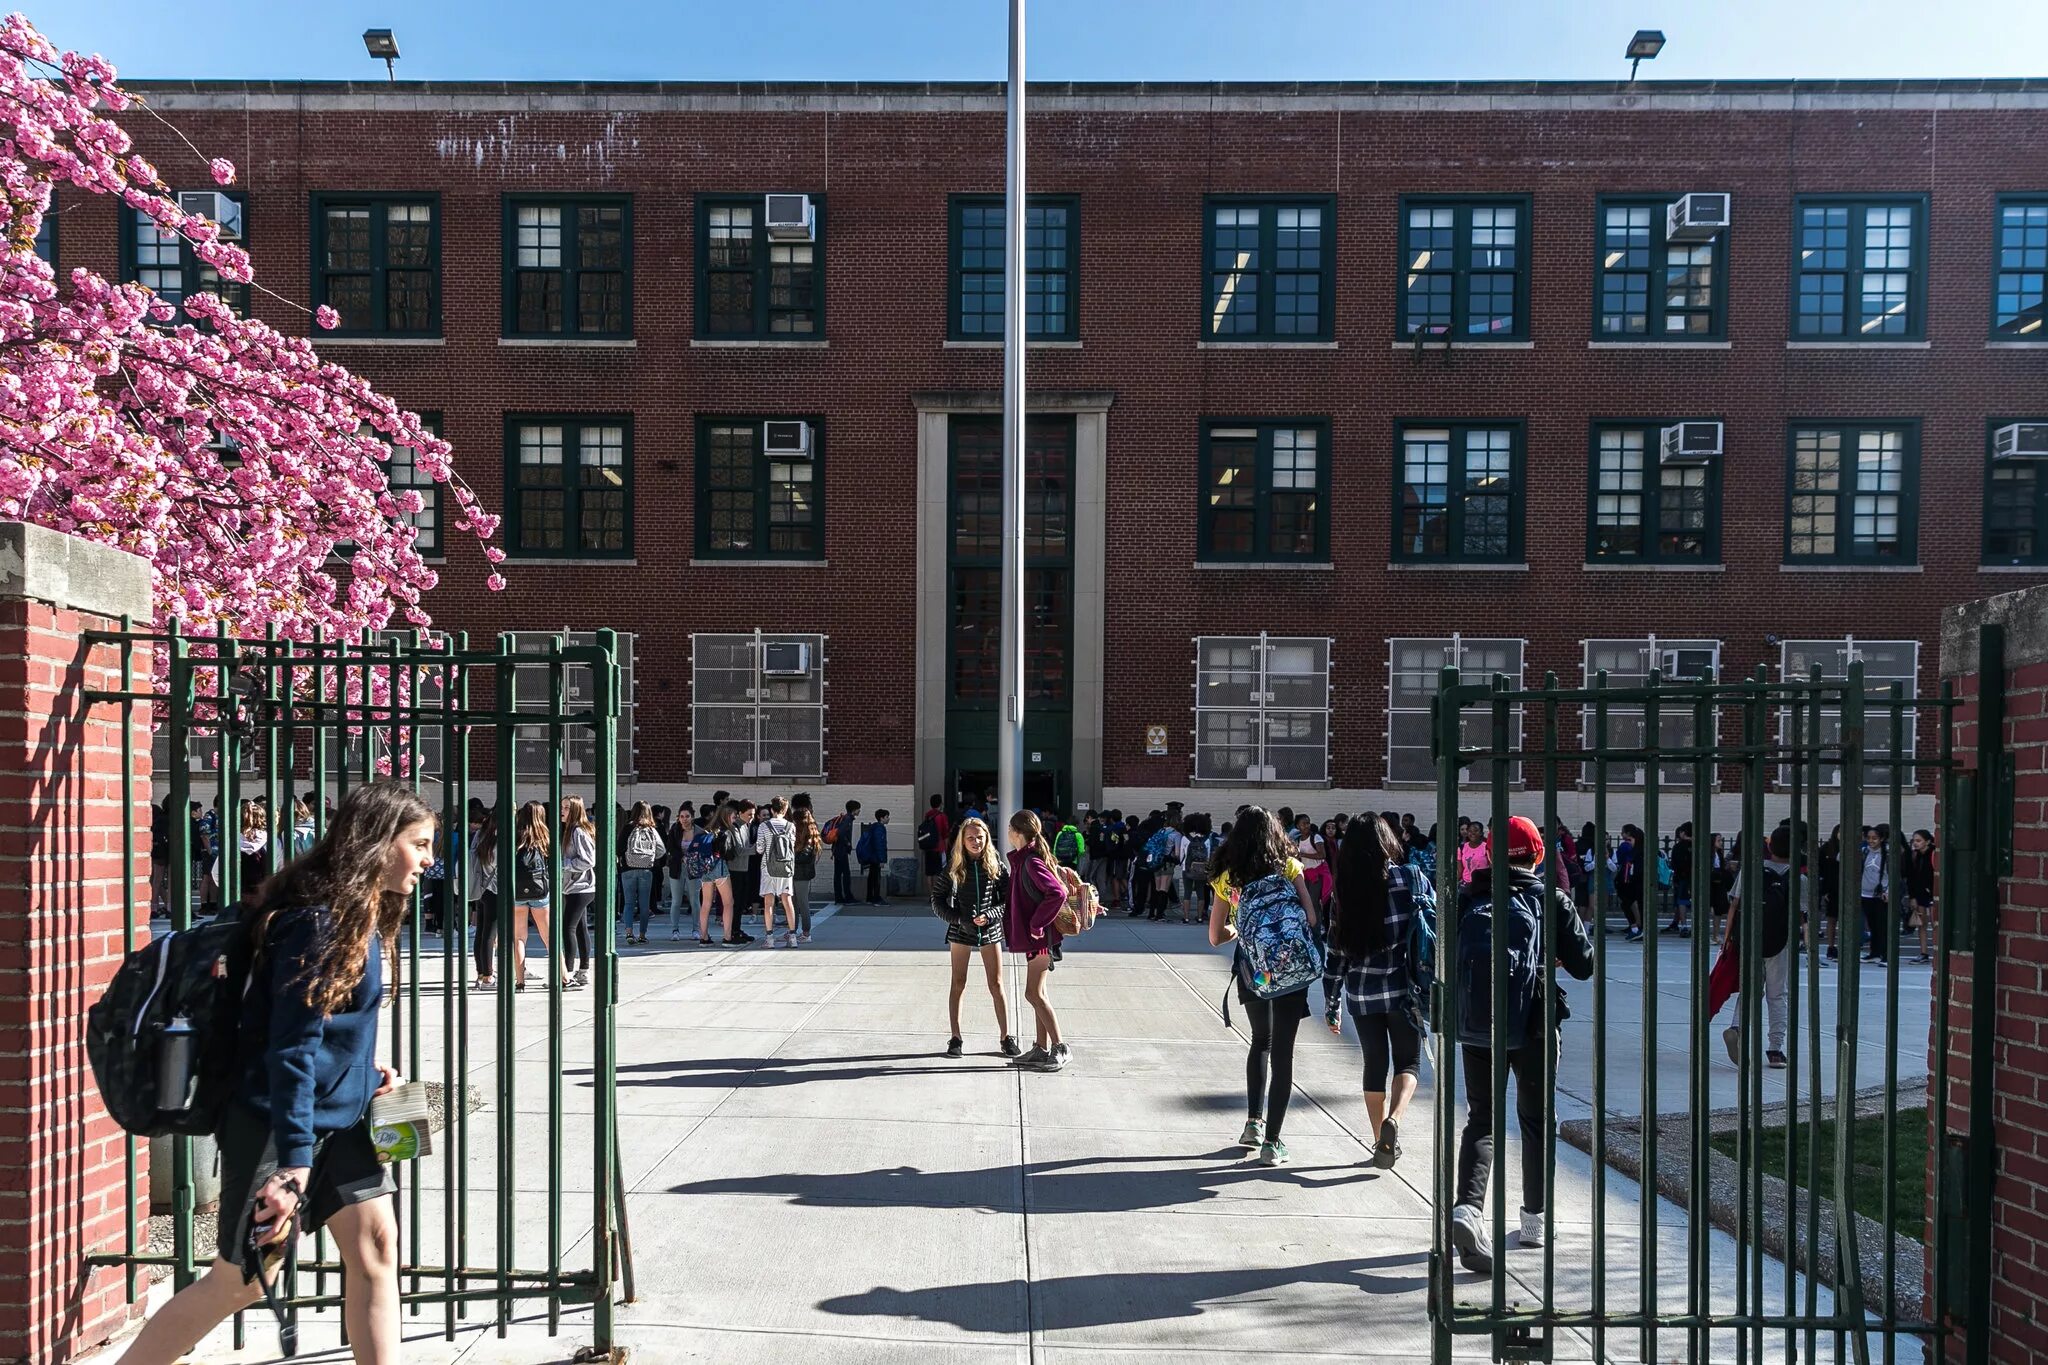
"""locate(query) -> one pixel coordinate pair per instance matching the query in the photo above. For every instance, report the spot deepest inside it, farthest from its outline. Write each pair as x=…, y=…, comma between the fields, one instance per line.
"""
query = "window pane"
x=603, y=503
x=1298, y=262
x=1495, y=258
x=1689, y=287
x=1487, y=494
x=1291, y=509
x=1823, y=265
x=730, y=276
x=792, y=291
x=792, y=510
x=729, y=479
x=1430, y=256
x=539, y=301
x=1618, y=494
x=1682, y=511
x=1816, y=483
x=158, y=259
x=539, y=237
x=543, y=503
x=1234, y=273
x=348, y=239
x=1880, y=486
x=2011, y=514
x=1233, y=491
x=2022, y=269
x=1426, y=494
x=977, y=490
x=976, y=638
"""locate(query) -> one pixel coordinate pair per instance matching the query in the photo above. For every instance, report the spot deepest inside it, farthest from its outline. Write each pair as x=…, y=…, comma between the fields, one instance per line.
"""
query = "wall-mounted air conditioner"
x=1687, y=665
x=1257, y=773
x=786, y=439
x=789, y=217
x=1691, y=443
x=785, y=659
x=223, y=209
x=2020, y=441
x=1696, y=217
x=757, y=768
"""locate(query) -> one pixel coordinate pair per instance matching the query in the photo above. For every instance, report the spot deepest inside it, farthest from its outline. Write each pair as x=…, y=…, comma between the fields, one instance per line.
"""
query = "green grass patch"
x=1867, y=1173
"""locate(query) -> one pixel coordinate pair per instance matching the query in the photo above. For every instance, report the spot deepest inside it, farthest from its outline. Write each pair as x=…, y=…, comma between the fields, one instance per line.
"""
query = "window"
x=1650, y=289
x=46, y=235
x=165, y=263
x=403, y=475
x=1850, y=494
x=2015, y=513
x=1414, y=668
x=536, y=747
x=1052, y=240
x=2021, y=268
x=1270, y=269
x=974, y=558
x=1265, y=490
x=1457, y=493
x=571, y=482
x=1859, y=272
x=1262, y=709
x=751, y=286
x=754, y=505
x=569, y=267
x=1645, y=511
x=757, y=705
x=377, y=262
x=1466, y=269
x=1885, y=662
x=1628, y=664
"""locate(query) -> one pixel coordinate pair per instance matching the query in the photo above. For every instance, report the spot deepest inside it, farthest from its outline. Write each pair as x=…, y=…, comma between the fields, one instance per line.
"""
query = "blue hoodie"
x=310, y=1074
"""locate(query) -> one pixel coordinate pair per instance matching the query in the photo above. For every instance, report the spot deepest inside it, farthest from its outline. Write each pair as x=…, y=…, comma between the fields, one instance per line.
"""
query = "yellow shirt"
x=1291, y=870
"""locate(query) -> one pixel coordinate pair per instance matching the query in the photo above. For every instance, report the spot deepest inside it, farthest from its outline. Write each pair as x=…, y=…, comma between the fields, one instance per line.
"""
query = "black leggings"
x=576, y=910
x=486, y=906
x=1381, y=1035
x=1273, y=1027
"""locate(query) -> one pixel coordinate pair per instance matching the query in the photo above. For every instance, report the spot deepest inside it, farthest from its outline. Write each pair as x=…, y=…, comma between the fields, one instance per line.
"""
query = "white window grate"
x=1885, y=662
x=746, y=722
x=1262, y=709
x=1628, y=664
x=533, y=748
x=1413, y=666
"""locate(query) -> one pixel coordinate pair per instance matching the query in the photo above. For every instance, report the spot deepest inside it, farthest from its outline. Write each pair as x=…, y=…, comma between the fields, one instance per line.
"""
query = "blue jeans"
x=636, y=889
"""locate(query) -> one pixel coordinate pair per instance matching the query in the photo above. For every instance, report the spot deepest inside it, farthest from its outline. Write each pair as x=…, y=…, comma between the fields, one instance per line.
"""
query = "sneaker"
x=742, y=937
x=1732, y=1036
x=1470, y=1240
x=1273, y=1153
x=803, y=938
x=487, y=983
x=706, y=942
x=1055, y=1060
x=1532, y=1228
x=1063, y=1052
x=1775, y=1060
x=1635, y=936
x=1254, y=1133
x=1035, y=1057
x=1009, y=1046
x=1388, y=1150
x=954, y=1047
x=1834, y=955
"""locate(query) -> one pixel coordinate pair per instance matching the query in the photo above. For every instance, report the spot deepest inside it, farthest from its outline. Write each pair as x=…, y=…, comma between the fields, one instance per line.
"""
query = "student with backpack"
x=683, y=891
x=839, y=835
x=644, y=848
x=1070, y=846
x=708, y=860
x=1194, y=870
x=532, y=885
x=1379, y=908
x=808, y=842
x=1160, y=859
x=1032, y=904
x=1274, y=964
x=579, y=890
x=873, y=853
x=1774, y=945
x=293, y=1133
x=1116, y=841
x=933, y=833
x=1533, y=931
x=972, y=896
x=483, y=893
x=775, y=846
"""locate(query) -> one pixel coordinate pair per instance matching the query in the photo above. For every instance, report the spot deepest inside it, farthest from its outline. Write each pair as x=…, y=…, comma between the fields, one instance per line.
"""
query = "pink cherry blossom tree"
x=249, y=472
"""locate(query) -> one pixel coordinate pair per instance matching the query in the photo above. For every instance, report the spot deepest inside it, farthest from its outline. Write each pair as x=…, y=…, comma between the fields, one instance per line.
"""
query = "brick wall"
x=2018, y=1213
x=1140, y=167
x=62, y=898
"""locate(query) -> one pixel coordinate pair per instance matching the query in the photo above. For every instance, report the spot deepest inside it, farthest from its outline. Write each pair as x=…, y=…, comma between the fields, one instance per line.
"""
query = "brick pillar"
x=2018, y=1213
x=62, y=1170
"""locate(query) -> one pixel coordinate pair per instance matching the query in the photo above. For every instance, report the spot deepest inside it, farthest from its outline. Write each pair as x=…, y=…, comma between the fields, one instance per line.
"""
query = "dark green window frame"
x=523, y=496
x=2015, y=504
x=46, y=235
x=1259, y=515
x=432, y=518
x=1052, y=267
x=1463, y=509
x=1854, y=499
x=1668, y=274
x=1666, y=501
x=557, y=255
x=2019, y=268
x=153, y=264
x=974, y=559
x=382, y=279
x=1836, y=261
x=1276, y=270
x=787, y=299
x=1433, y=294
x=771, y=502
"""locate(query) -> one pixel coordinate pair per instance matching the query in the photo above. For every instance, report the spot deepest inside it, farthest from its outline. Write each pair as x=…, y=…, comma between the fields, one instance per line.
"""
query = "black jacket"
x=960, y=904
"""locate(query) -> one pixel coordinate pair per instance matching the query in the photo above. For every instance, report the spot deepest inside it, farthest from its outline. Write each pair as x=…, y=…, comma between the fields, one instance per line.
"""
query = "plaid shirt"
x=1378, y=982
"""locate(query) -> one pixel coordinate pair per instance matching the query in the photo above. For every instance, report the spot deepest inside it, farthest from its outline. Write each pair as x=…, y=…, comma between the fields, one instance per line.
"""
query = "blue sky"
x=1069, y=39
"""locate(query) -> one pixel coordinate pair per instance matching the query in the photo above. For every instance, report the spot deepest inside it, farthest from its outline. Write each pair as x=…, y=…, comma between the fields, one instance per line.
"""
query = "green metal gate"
x=275, y=719
x=1683, y=1295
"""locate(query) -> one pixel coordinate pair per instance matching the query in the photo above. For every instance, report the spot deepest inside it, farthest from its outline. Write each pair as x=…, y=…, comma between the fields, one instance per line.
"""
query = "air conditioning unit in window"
x=785, y=659
x=1696, y=217
x=758, y=768
x=1687, y=665
x=2020, y=441
x=1691, y=443
x=786, y=439
x=788, y=217
x=221, y=208
x=1257, y=773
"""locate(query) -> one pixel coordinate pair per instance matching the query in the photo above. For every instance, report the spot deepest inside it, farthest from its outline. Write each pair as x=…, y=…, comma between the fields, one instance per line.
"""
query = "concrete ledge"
x=2024, y=614
x=42, y=565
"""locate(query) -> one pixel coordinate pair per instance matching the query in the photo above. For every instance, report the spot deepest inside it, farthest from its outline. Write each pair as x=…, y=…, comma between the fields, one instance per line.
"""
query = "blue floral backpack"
x=1276, y=952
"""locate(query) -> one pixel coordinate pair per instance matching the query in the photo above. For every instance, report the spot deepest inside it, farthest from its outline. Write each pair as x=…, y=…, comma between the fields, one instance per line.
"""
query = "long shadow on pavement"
x=1079, y=1301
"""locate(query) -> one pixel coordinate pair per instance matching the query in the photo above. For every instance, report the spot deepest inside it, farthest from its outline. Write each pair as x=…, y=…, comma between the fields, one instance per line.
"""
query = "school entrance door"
x=974, y=608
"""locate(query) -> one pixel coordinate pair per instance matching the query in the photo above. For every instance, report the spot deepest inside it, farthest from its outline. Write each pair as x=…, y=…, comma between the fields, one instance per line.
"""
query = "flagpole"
x=1010, y=733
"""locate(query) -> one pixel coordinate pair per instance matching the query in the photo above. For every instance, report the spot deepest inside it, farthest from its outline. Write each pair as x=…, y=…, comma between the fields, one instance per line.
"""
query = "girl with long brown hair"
x=971, y=896
x=532, y=884
x=1035, y=896
x=809, y=842
x=579, y=889
x=295, y=1144
x=1375, y=905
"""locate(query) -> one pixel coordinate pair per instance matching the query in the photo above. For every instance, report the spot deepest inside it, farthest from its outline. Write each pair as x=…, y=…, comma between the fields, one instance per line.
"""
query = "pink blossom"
x=496, y=582
x=223, y=170
x=327, y=318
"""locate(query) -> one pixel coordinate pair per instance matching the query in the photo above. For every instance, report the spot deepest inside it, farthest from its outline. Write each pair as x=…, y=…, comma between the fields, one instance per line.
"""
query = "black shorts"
x=345, y=1171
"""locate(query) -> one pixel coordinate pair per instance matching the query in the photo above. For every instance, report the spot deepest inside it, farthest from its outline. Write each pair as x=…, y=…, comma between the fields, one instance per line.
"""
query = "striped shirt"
x=1378, y=982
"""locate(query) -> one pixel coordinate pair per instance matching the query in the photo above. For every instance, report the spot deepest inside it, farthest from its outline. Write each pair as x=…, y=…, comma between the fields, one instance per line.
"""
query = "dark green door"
x=974, y=609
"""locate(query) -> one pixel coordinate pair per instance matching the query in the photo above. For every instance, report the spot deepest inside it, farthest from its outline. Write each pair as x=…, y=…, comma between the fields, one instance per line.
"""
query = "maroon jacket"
x=1036, y=895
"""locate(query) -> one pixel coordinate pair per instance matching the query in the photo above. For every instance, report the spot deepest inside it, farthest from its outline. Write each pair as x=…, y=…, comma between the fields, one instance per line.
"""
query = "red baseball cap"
x=1525, y=840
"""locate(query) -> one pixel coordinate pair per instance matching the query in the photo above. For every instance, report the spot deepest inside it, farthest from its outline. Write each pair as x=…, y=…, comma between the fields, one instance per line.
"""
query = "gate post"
x=62, y=907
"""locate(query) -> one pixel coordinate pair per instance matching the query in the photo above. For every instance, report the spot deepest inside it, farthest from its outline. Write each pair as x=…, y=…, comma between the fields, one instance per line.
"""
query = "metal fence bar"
x=1849, y=1306
x=1894, y=882
x=1444, y=740
x=1646, y=921
x=1596, y=860
x=1500, y=888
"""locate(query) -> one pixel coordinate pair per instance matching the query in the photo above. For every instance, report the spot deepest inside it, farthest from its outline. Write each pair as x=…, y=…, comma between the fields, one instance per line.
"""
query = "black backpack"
x=1777, y=918
x=197, y=975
